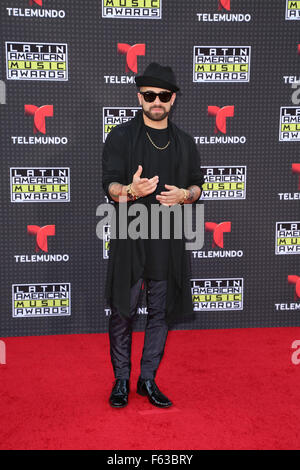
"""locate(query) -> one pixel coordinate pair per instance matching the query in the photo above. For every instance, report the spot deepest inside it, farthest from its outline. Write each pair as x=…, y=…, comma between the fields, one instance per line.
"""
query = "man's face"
x=156, y=111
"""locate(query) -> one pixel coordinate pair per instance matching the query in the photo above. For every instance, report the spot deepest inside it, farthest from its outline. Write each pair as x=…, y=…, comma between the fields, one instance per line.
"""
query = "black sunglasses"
x=150, y=96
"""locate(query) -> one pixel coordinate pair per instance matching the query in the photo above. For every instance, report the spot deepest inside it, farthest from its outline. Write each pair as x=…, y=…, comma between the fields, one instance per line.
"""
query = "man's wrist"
x=192, y=194
x=131, y=193
x=115, y=189
x=118, y=191
x=184, y=196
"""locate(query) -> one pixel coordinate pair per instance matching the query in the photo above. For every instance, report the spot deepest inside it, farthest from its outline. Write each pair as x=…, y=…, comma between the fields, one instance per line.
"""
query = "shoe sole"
x=144, y=394
x=118, y=406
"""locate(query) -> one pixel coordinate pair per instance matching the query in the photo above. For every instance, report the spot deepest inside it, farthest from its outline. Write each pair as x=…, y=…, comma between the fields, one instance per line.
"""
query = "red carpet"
x=232, y=389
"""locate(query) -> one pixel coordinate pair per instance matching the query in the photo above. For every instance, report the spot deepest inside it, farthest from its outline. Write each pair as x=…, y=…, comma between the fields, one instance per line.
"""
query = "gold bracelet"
x=186, y=193
x=132, y=196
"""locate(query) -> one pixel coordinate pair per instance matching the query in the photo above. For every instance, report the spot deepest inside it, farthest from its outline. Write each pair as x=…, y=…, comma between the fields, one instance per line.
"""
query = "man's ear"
x=173, y=99
x=139, y=98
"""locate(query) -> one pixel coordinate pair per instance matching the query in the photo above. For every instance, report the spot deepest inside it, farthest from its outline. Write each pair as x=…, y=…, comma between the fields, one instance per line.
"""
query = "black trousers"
x=156, y=331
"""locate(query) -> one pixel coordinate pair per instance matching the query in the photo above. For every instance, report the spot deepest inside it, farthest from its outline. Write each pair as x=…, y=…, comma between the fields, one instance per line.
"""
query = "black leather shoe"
x=119, y=394
x=150, y=389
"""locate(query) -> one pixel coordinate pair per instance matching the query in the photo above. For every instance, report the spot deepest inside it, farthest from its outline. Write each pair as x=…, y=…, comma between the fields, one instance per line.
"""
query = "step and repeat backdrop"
x=67, y=78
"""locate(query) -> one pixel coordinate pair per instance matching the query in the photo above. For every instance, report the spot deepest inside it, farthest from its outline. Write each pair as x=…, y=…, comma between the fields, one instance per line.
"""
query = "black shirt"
x=157, y=250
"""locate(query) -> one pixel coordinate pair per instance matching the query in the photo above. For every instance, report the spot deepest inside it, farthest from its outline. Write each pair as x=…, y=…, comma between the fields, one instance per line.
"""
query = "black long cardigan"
x=123, y=151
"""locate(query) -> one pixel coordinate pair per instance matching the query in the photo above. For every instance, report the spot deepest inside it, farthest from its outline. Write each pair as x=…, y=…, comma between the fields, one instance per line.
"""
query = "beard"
x=156, y=116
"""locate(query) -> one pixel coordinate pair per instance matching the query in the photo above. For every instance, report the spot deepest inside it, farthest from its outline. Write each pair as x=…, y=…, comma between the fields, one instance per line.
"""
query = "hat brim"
x=144, y=80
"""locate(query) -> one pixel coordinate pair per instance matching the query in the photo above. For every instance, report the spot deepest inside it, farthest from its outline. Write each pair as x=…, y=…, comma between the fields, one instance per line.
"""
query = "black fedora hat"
x=157, y=76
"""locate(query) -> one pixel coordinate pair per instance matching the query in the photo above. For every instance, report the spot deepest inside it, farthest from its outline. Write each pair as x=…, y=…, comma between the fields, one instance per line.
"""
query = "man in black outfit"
x=150, y=160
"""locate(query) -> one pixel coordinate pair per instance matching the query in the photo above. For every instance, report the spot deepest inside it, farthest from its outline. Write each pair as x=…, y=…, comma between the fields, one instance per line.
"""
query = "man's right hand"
x=143, y=186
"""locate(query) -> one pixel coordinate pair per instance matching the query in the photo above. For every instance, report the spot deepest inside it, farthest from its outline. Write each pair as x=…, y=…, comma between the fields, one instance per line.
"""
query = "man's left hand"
x=171, y=197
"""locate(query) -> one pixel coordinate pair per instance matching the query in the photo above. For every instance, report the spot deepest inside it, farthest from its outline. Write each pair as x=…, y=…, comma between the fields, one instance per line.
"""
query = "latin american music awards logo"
x=114, y=116
x=41, y=300
x=45, y=184
x=217, y=294
x=221, y=64
x=289, y=124
x=106, y=241
x=144, y=9
x=36, y=61
x=292, y=11
x=287, y=238
x=224, y=182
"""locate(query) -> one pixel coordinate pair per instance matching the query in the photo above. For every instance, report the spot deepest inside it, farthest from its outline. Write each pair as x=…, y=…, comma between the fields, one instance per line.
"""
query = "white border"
x=227, y=198
x=286, y=13
x=41, y=284
x=134, y=17
x=114, y=107
x=276, y=230
x=103, y=233
x=39, y=168
x=39, y=79
x=221, y=81
x=221, y=279
x=284, y=140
